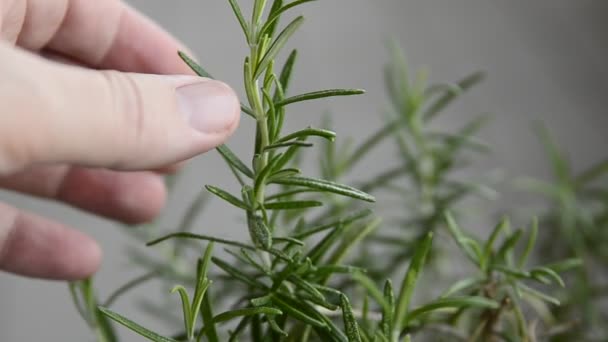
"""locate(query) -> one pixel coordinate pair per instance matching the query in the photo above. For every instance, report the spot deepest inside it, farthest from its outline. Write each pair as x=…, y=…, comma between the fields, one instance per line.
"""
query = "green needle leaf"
x=203, y=265
x=287, y=193
x=409, y=281
x=246, y=312
x=275, y=326
x=511, y=271
x=372, y=290
x=207, y=313
x=226, y=196
x=489, y=245
x=286, y=72
x=288, y=240
x=290, y=205
x=307, y=287
x=134, y=326
x=324, y=271
x=187, y=235
x=202, y=283
x=270, y=24
x=323, y=133
x=596, y=171
x=462, y=285
x=193, y=65
x=287, y=144
x=565, y=265
x=506, y=249
x=258, y=11
x=233, y=160
x=465, y=135
x=324, y=246
x=537, y=186
x=442, y=102
x=535, y=293
x=469, y=246
x=286, y=306
x=347, y=220
x=185, y=308
x=388, y=310
x=350, y=323
x=277, y=45
x=352, y=240
x=239, y=16
x=328, y=186
x=261, y=301
x=285, y=173
x=320, y=94
x=247, y=110
x=530, y=245
x=73, y=286
x=545, y=271
x=453, y=302
x=259, y=310
x=238, y=274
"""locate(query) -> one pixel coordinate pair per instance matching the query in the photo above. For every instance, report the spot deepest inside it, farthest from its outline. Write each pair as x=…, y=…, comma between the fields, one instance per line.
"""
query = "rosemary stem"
x=262, y=126
x=265, y=141
x=262, y=131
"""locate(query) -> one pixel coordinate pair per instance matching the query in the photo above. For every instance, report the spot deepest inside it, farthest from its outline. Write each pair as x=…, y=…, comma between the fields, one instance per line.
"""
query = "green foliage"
x=578, y=222
x=503, y=277
x=152, y=336
x=483, y=307
x=330, y=277
x=425, y=177
x=285, y=276
x=85, y=301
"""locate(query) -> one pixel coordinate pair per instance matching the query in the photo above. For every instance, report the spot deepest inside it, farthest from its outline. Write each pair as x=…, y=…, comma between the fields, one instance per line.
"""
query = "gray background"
x=546, y=60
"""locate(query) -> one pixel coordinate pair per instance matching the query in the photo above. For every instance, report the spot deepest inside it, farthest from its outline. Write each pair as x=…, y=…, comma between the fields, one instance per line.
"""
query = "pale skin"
x=85, y=113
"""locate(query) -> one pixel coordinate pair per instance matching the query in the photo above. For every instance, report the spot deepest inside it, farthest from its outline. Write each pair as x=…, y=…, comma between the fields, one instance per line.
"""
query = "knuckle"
x=48, y=14
x=127, y=109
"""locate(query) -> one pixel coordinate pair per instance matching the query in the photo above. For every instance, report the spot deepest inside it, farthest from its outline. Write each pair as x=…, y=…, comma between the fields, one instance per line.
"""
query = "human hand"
x=70, y=132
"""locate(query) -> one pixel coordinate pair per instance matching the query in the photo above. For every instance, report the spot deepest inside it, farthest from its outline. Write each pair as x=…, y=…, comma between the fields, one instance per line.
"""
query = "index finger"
x=105, y=34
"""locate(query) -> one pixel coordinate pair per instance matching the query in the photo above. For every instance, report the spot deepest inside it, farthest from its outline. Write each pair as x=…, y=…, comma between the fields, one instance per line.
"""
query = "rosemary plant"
x=487, y=306
x=578, y=222
x=168, y=269
x=424, y=180
x=296, y=277
x=286, y=280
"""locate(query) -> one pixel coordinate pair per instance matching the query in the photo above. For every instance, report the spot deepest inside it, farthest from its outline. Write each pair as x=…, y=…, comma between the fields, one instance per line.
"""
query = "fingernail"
x=208, y=106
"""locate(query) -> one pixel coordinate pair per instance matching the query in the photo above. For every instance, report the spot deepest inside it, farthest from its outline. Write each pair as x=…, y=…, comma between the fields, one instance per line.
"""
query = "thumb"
x=60, y=113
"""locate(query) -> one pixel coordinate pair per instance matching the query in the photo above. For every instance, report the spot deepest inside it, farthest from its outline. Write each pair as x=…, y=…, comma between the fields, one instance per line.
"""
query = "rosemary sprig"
x=292, y=276
x=308, y=279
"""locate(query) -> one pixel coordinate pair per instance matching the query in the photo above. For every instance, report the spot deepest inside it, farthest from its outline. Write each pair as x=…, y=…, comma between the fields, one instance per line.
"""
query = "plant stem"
x=262, y=132
x=264, y=141
x=262, y=124
x=98, y=323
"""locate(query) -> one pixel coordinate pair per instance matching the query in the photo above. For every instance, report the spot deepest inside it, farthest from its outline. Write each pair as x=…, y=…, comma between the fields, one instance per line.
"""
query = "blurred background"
x=546, y=60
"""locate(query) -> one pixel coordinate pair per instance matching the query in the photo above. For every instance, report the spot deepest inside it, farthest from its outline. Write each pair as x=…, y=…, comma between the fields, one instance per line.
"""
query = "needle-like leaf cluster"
x=578, y=222
x=329, y=277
